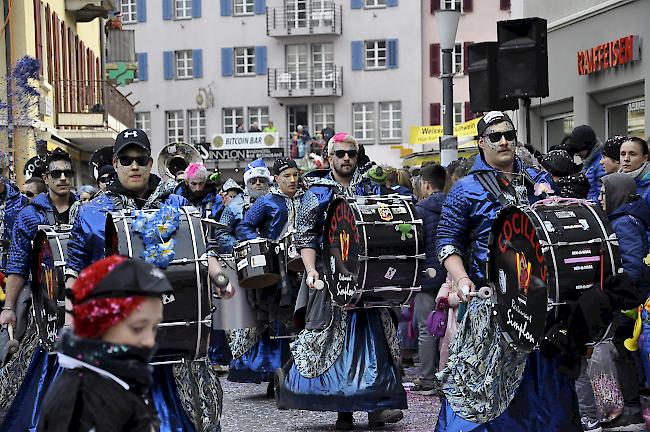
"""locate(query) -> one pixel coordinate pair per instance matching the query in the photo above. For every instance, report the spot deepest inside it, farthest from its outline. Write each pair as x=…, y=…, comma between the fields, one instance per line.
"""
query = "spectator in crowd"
x=571, y=184
x=584, y=144
x=611, y=160
x=254, y=128
x=269, y=127
x=86, y=193
x=105, y=177
x=240, y=127
x=33, y=186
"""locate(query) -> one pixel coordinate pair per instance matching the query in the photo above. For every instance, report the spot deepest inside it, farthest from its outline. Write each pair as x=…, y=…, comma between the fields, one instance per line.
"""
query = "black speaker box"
x=523, y=58
x=483, y=80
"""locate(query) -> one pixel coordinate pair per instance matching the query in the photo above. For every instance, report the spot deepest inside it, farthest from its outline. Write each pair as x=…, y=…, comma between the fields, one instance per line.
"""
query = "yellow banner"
x=429, y=134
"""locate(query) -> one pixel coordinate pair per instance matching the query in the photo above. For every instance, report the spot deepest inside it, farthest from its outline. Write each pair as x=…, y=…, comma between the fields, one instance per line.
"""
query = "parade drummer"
x=545, y=399
x=106, y=374
x=48, y=208
x=134, y=187
x=332, y=366
x=198, y=190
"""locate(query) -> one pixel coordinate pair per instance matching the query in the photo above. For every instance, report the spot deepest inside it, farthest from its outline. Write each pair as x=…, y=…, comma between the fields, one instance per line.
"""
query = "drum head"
x=341, y=251
x=517, y=270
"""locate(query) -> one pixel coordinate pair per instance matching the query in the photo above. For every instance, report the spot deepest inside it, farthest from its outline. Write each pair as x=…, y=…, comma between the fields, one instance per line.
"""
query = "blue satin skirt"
x=363, y=377
x=164, y=393
x=544, y=402
x=219, y=350
x=25, y=409
x=259, y=363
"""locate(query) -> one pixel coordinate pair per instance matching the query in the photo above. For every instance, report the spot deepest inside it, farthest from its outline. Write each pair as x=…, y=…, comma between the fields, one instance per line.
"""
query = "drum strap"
x=490, y=184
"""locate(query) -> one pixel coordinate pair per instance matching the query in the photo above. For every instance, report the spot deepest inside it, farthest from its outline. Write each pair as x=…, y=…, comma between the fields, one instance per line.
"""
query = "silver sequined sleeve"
x=307, y=231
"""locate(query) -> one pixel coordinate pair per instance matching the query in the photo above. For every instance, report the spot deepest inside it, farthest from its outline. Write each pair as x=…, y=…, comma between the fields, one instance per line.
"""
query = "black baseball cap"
x=283, y=164
x=106, y=169
x=128, y=137
x=490, y=118
x=133, y=277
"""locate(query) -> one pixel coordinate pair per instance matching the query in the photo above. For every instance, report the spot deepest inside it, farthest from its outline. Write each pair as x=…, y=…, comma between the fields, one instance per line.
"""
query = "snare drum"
x=48, y=282
x=543, y=256
x=292, y=258
x=258, y=264
x=184, y=332
x=235, y=312
x=372, y=251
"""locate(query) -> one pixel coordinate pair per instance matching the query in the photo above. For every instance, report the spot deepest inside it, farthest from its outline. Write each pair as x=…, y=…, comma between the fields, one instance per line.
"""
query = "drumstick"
x=221, y=280
x=12, y=344
x=319, y=284
x=482, y=293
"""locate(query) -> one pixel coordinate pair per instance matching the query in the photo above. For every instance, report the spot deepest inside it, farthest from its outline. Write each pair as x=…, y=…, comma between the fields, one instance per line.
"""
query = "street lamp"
x=447, y=23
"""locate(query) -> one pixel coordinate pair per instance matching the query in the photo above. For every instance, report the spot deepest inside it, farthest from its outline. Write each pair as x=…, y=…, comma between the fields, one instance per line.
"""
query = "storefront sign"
x=212, y=155
x=245, y=140
x=430, y=134
x=608, y=55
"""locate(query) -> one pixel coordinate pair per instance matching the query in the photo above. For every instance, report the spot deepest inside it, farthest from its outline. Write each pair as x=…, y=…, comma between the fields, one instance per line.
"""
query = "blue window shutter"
x=143, y=67
x=196, y=8
x=260, y=60
x=168, y=12
x=226, y=7
x=356, y=4
x=168, y=65
x=141, y=11
x=393, y=54
x=197, y=63
x=227, y=61
x=357, y=55
x=392, y=3
x=260, y=7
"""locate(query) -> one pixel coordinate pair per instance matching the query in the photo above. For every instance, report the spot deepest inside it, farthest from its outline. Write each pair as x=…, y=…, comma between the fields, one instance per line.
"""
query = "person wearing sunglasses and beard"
x=134, y=187
x=343, y=361
x=48, y=208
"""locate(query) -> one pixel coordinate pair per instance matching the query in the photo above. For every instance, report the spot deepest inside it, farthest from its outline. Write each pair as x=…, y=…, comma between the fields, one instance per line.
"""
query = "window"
x=196, y=120
x=390, y=120
x=244, y=61
x=456, y=58
x=363, y=119
x=453, y=4
x=259, y=115
x=232, y=118
x=244, y=7
x=556, y=128
x=184, y=64
x=323, y=65
x=182, y=9
x=175, y=127
x=376, y=54
x=375, y=3
x=143, y=121
x=323, y=116
x=296, y=13
x=458, y=112
x=627, y=119
x=128, y=9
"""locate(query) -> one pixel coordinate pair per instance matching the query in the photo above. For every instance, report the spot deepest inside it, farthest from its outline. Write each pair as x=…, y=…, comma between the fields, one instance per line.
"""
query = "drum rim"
x=254, y=241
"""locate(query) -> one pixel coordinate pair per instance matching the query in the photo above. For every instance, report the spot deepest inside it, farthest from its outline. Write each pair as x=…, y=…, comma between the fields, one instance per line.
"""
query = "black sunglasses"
x=29, y=194
x=103, y=179
x=341, y=153
x=258, y=180
x=495, y=137
x=69, y=173
x=128, y=160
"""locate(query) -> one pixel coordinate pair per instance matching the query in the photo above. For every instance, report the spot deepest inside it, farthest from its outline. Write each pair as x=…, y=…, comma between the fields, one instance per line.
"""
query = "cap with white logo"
x=127, y=137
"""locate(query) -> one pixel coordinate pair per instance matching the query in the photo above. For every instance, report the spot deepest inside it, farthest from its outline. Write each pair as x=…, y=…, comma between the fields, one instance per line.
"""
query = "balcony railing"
x=297, y=82
x=291, y=21
x=98, y=99
x=88, y=10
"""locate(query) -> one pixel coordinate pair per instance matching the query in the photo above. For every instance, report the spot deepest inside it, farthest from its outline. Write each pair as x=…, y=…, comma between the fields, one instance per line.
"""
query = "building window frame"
x=321, y=118
x=390, y=121
x=244, y=61
x=618, y=104
x=231, y=116
x=459, y=112
x=175, y=126
x=452, y=4
x=373, y=50
x=259, y=114
x=182, y=9
x=374, y=4
x=243, y=7
x=183, y=64
x=364, y=121
x=551, y=118
x=457, y=59
x=143, y=121
x=129, y=11
x=196, y=126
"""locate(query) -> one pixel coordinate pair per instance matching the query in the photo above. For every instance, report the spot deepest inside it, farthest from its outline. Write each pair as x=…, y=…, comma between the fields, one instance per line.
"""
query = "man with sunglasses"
x=48, y=208
x=105, y=177
x=544, y=396
x=33, y=186
x=331, y=366
x=134, y=187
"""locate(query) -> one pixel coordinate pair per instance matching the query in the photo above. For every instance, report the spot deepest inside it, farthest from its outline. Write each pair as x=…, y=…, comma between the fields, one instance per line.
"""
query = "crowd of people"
x=310, y=353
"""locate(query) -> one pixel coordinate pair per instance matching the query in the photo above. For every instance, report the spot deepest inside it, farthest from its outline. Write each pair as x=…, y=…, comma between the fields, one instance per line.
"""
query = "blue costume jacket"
x=643, y=189
x=226, y=238
x=269, y=214
x=468, y=214
x=14, y=202
x=38, y=212
x=630, y=222
x=209, y=205
x=429, y=210
x=594, y=171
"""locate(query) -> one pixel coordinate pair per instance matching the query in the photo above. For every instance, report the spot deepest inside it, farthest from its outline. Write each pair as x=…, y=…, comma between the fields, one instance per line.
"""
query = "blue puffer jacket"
x=268, y=216
x=225, y=239
x=429, y=210
x=594, y=171
x=25, y=229
x=468, y=214
x=14, y=203
x=87, y=242
x=630, y=222
x=643, y=189
x=209, y=205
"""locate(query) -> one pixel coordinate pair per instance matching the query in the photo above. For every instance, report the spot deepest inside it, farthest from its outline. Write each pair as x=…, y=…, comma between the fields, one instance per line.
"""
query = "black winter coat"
x=429, y=210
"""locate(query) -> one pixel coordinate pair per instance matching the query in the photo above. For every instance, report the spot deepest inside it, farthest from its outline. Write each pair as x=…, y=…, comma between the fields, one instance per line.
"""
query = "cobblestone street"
x=246, y=409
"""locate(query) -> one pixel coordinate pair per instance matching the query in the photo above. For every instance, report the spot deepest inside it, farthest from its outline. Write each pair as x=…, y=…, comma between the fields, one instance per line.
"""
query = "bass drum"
x=543, y=256
x=184, y=332
x=235, y=312
x=48, y=283
x=372, y=251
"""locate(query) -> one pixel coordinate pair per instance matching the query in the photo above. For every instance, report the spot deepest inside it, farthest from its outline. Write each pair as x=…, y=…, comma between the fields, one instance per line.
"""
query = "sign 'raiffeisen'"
x=430, y=134
x=608, y=55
